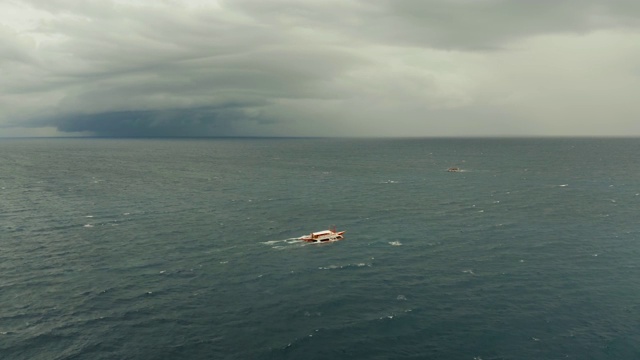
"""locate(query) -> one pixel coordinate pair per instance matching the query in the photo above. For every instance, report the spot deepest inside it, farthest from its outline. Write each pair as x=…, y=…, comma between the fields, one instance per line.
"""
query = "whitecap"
x=89, y=216
x=330, y=267
x=395, y=243
x=468, y=272
x=401, y=297
x=333, y=267
x=88, y=226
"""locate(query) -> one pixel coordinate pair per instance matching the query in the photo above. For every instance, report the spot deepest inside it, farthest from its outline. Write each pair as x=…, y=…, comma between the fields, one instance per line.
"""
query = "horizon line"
x=339, y=137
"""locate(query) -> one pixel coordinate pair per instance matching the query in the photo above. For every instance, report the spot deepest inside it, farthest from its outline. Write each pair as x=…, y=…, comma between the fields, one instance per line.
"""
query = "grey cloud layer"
x=196, y=68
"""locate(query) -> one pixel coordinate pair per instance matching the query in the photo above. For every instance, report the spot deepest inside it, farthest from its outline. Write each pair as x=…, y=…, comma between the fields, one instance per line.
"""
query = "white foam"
x=332, y=267
x=288, y=241
x=272, y=242
x=401, y=297
x=88, y=226
x=395, y=243
x=386, y=317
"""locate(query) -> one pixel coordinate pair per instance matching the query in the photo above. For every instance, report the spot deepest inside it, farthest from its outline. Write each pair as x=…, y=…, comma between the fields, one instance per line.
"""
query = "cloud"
x=312, y=67
x=180, y=123
x=494, y=24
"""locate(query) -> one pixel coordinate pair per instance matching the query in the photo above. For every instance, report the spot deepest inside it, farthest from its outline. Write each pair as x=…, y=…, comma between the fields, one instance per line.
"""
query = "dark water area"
x=186, y=249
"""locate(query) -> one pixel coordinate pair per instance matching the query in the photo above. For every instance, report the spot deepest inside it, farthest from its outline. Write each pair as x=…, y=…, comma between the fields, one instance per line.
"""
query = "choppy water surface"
x=185, y=249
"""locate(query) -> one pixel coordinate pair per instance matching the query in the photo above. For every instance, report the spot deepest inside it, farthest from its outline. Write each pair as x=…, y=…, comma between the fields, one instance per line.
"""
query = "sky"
x=371, y=68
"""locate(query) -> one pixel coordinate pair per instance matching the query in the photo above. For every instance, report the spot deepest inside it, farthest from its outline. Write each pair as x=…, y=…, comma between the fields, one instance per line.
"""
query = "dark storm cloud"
x=121, y=60
x=173, y=67
x=153, y=123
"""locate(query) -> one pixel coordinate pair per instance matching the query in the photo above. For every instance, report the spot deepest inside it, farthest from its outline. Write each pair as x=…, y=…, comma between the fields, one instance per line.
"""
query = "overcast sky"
x=320, y=67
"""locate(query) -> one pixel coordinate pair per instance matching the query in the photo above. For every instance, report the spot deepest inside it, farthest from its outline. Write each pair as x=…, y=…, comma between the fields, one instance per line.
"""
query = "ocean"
x=186, y=249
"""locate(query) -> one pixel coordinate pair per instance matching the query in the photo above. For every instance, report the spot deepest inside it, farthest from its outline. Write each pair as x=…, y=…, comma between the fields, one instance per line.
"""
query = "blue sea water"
x=185, y=249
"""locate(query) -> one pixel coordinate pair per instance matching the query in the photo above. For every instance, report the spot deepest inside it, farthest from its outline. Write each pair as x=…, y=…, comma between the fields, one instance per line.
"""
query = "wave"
x=333, y=267
x=287, y=241
x=283, y=244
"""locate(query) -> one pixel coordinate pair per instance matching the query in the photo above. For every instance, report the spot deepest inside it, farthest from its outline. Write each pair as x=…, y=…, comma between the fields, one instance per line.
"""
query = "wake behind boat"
x=323, y=236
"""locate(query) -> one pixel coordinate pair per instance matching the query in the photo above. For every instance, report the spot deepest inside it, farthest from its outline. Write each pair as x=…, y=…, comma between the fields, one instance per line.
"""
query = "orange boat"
x=324, y=236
